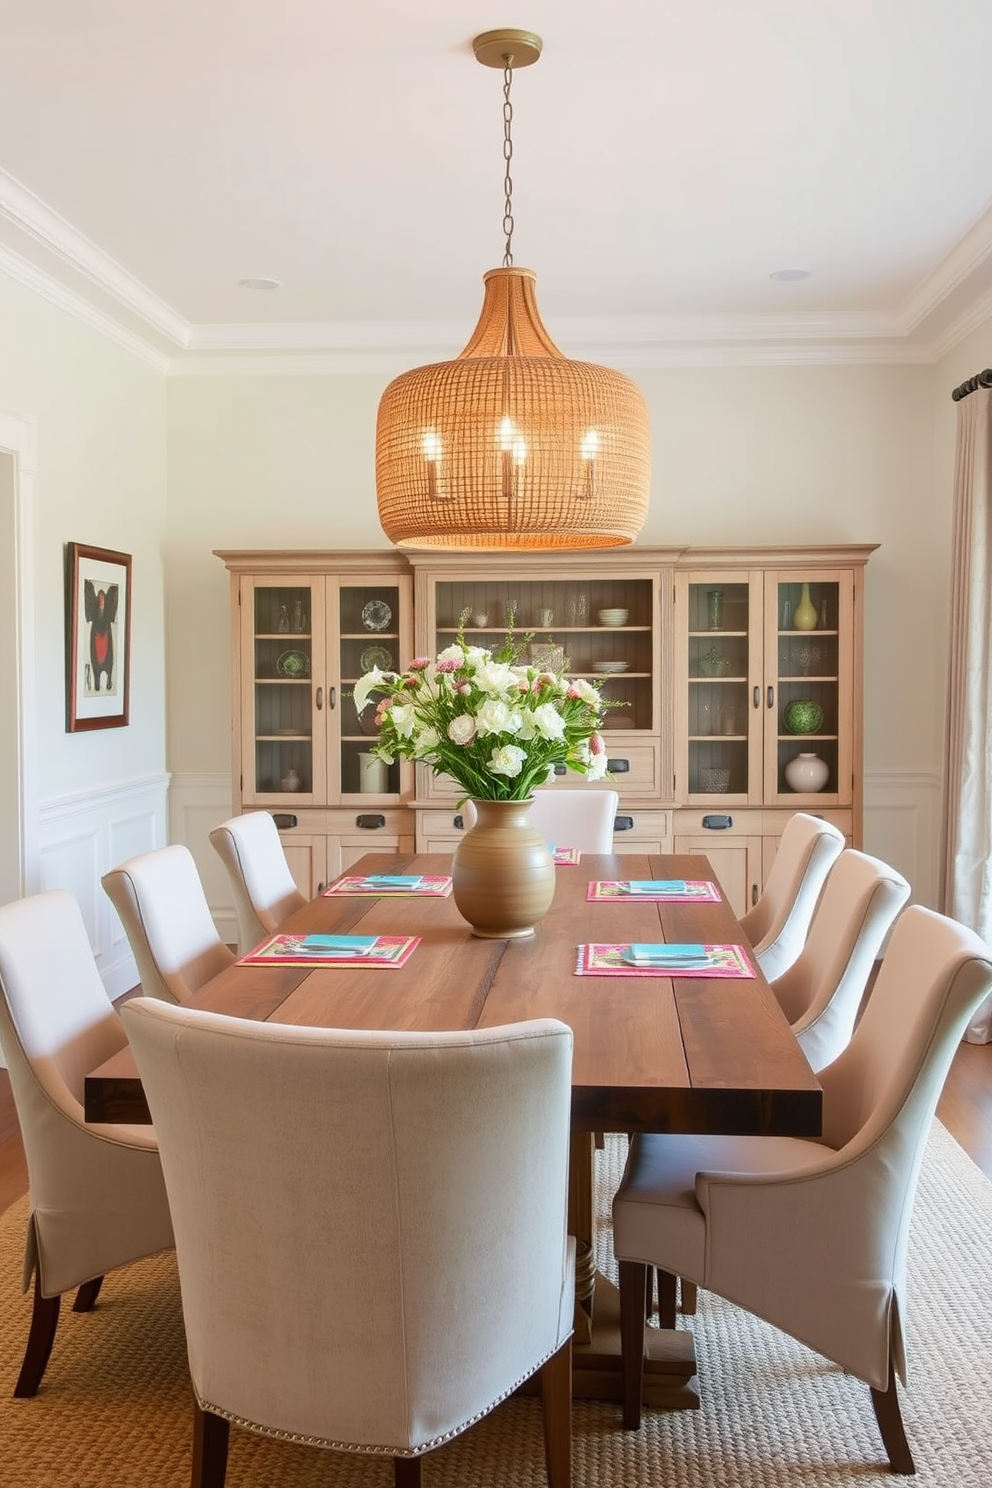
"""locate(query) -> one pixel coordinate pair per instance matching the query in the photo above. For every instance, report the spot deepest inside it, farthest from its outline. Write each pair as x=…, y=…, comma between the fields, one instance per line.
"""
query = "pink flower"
x=419, y=663
x=597, y=744
x=450, y=665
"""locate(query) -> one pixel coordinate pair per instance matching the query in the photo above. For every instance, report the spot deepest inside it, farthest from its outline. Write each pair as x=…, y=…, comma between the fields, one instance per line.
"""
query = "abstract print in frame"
x=98, y=638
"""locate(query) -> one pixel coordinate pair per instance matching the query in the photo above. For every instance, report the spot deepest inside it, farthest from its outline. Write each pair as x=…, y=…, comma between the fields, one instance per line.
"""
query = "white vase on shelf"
x=807, y=773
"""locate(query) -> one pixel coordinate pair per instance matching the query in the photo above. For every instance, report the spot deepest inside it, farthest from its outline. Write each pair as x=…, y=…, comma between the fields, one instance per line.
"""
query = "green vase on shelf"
x=804, y=616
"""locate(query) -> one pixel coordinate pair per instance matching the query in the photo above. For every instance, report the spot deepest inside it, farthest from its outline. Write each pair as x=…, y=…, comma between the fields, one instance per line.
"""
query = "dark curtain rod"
x=980, y=379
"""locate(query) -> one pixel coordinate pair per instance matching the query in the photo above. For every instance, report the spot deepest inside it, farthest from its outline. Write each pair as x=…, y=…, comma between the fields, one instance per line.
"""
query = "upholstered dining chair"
x=165, y=915
x=265, y=892
x=582, y=817
x=812, y=1235
x=821, y=992
x=96, y=1195
x=382, y=1200
x=777, y=925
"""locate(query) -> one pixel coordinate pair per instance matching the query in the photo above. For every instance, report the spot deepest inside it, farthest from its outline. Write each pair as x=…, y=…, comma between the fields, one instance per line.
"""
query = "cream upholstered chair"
x=582, y=817
x=394, y=1204
x=777, y=925
x=265, y=891
x=822, y=991
x=164, y=911
x=812, y=1235
x=97, y=1198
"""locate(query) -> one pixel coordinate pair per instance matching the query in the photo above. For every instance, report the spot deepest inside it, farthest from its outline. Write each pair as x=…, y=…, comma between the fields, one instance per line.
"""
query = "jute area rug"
x=114, y=1408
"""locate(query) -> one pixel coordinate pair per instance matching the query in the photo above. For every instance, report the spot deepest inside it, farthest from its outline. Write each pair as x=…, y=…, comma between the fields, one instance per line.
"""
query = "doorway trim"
x=19, y=865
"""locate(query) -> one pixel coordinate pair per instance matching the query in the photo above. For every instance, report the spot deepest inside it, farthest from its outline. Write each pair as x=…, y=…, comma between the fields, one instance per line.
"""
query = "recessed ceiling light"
x=789, y=274
x=260, y=283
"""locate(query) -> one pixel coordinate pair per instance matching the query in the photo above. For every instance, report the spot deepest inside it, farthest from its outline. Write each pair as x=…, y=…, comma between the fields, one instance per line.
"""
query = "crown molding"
x=967, y=255
x=388, y=349
x=81, y=309
x=30, y=214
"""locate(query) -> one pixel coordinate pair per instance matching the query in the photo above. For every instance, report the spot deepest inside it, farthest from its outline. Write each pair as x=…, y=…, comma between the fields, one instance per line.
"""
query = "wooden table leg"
x=670, y=1355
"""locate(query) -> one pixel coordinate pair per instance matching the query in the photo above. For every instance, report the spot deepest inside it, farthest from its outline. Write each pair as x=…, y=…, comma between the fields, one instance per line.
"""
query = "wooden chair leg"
x=889, y=1418
x=407, y=1472
x=44, y=1321
x=689, y=1292
x=87, y=1295
x=210, y=1438
x=667, y=1284
x=633, y=1292
x=556, y=1403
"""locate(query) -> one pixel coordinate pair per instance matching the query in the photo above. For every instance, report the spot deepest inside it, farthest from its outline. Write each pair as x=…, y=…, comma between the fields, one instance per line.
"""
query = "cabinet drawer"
x=718, y=821
x=642, y=830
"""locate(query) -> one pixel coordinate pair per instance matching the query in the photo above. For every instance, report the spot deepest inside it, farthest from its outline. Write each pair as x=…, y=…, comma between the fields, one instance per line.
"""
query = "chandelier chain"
x=507, y=158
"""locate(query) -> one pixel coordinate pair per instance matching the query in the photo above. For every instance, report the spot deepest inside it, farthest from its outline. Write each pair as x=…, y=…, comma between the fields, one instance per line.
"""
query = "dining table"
x=654, y=1051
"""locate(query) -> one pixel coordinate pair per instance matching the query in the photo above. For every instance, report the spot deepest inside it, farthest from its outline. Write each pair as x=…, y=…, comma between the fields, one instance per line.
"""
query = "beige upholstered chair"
x=164, y=911
x=822, y=991
x=812, y=1235
x=97, y=1199
x=777, y=925
x=582, y=817
x=265, y=892
x=394, y=1206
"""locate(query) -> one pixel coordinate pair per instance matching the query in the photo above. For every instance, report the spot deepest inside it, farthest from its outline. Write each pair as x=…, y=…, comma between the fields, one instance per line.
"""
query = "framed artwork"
x=98, y=638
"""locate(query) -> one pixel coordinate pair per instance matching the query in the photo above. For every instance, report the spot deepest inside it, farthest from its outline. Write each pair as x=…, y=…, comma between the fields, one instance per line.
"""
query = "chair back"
x=777, y=925
x=164, y=911
x=827, y=1225
x=822, y=991
x=582, y=817
x=387, y=1211
x=56, y=1024
x=265, y=892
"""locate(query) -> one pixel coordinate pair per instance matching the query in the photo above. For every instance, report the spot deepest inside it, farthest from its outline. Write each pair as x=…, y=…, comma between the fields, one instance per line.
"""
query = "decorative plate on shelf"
x=376, y=615
x=376, y=656
x=293, y=664
x=609, y=666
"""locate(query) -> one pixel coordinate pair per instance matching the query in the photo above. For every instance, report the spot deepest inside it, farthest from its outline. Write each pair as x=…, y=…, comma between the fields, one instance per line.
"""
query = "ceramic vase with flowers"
x=499, y=727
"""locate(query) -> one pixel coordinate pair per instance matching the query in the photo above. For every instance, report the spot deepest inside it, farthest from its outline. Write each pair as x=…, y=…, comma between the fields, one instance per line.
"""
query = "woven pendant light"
x=512, y=445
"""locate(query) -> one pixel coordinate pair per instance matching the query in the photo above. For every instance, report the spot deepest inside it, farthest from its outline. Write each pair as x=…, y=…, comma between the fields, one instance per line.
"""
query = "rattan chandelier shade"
x=512, y=445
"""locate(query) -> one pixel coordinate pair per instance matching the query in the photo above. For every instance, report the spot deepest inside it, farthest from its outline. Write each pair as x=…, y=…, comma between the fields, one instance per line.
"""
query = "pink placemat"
x=608, y=960
x=318, y=950
x=564, y=855
x=421, y=886
x=663, y=891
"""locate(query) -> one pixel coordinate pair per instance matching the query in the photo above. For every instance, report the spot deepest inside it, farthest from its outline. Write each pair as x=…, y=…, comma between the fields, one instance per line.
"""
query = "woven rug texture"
x=115, y=1404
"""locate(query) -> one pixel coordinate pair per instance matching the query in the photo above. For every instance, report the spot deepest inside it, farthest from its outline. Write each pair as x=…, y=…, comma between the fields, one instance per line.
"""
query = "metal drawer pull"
x=618, y=766
x=771, y=697
x=717, y=823
x=319, y=699
x=757, y=697
x=370, y=822
x=458, y=821
x=285, y=820
x=560, y=769
x=623, y=824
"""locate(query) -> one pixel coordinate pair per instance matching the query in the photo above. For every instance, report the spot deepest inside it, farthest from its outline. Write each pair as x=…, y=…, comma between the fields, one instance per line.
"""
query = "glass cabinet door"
x=283, y=753
x=367, y=631
x=721, y=733
x=809, y=702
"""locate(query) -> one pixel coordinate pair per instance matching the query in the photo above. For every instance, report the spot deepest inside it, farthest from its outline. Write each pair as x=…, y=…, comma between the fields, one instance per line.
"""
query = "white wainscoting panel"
x=902, y=827
x=197, y=804
x=84, y=835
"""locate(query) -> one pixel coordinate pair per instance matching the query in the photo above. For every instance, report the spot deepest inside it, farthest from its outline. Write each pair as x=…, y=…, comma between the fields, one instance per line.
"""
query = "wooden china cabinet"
x=705, y=648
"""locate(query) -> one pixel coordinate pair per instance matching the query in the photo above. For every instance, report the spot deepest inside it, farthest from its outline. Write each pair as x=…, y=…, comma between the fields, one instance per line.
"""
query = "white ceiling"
x=668, y=156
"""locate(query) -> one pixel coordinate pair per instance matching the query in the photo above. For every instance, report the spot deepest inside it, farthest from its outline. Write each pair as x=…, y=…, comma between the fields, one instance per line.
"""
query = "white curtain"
x=966, y=838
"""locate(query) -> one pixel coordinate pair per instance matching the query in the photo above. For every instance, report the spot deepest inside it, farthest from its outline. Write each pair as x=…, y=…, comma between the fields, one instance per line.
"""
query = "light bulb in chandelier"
x=569, y=467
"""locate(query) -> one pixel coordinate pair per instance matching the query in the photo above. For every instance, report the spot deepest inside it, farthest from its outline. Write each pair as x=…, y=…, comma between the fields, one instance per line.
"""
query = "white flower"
x=452, y=653
x=585, y=690
x=508, y=760
x=496, y=717
x=597, y=767
x=426, y=741
x=548, y=722
x=368, y=684
x=496, y=677
x=403, y=718
x=461, y=730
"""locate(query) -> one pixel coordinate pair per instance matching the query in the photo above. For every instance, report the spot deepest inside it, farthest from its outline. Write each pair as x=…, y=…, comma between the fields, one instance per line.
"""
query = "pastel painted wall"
x=100, y=418
x=740, y=455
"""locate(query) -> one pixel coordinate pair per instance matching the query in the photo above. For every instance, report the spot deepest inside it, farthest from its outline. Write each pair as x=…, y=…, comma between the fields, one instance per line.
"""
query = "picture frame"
x=98, y=638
